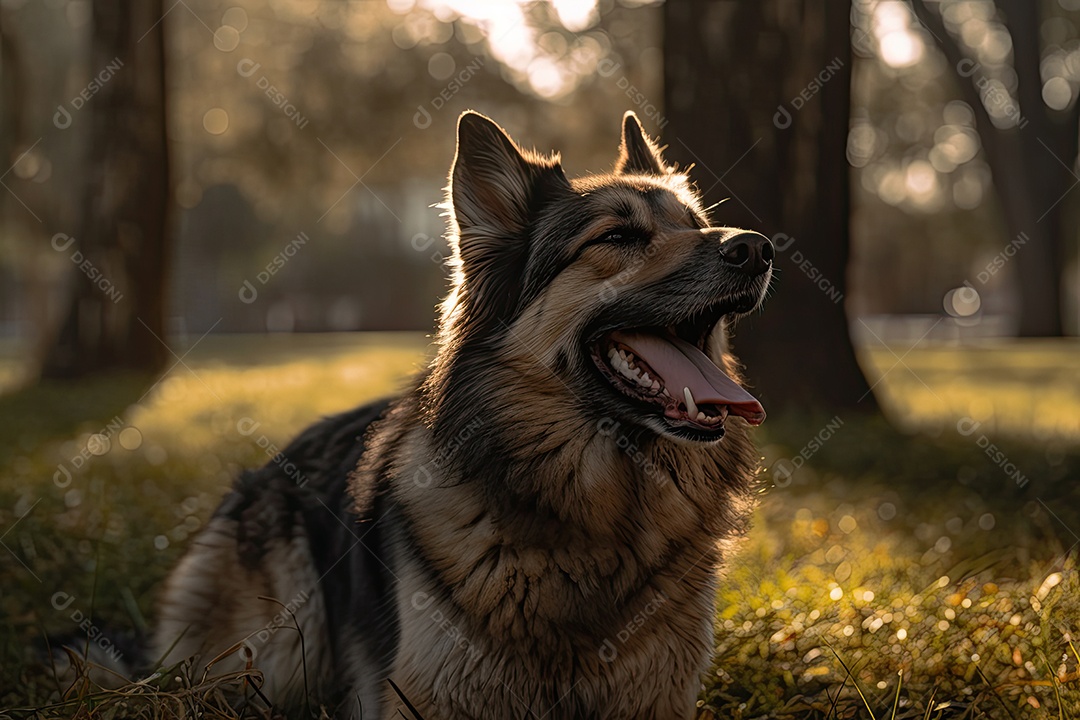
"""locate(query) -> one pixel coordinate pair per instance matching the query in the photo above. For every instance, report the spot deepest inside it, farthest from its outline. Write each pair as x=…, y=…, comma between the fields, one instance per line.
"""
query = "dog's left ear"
x=638, y=154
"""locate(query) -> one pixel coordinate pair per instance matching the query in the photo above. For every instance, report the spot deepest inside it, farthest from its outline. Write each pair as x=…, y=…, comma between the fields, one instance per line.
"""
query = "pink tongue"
x=680, y=365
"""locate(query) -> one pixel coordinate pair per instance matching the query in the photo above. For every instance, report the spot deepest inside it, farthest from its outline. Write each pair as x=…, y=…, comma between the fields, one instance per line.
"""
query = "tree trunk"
x=757, y=95
x=116, y=317
x=1032, y=163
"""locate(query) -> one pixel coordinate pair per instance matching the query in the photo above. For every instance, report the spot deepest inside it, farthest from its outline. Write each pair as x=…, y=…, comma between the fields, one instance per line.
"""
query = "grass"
x=895, y=574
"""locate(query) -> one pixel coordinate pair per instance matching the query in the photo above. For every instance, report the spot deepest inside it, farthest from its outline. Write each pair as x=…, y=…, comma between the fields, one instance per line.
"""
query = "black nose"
x=750, y=252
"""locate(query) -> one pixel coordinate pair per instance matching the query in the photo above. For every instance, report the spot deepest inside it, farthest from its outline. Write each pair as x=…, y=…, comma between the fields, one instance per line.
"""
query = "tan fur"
x=535, y=599
x=211, y=603
x=540, y=567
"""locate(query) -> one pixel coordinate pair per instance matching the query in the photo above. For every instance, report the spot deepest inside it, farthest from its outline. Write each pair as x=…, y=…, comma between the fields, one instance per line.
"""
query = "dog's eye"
x=622, y=236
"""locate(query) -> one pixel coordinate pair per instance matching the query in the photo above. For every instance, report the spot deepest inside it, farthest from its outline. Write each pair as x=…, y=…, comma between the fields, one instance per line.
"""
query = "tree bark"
x=1032, y=164
x=757, y=96
x=120, y=253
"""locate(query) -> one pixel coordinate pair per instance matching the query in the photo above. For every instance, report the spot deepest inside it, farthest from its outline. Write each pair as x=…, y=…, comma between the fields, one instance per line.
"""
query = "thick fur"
x=517, y=540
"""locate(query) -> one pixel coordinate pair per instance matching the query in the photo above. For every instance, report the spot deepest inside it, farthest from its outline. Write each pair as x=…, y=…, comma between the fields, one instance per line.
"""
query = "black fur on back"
x=347, y=542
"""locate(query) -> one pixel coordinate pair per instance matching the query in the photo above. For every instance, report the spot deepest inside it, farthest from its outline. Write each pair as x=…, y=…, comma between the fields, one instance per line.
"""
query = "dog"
x=534, y=528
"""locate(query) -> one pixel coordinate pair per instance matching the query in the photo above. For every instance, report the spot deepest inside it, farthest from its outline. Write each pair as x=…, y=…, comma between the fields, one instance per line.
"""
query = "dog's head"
x=611, y=292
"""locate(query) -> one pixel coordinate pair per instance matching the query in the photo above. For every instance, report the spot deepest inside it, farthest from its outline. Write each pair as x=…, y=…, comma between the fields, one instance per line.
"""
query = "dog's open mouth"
x=667, y=368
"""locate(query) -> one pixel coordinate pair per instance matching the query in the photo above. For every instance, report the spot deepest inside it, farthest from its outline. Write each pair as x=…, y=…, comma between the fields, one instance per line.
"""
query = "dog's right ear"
x=493, y=182
x=495, y=191
x=638, y=154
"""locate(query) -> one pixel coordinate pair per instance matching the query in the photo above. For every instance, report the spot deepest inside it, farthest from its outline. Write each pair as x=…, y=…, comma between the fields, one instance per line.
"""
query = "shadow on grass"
x=50, y=410
x=1030, y=488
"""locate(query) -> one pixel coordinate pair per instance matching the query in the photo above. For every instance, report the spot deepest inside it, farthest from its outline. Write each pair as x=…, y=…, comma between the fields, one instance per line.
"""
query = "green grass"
x=892, y=567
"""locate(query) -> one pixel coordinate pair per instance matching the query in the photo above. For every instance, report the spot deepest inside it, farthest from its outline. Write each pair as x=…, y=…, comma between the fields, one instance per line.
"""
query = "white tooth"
x=655, y=385
x=691, y=406
x=646, y=378
x=700, y=415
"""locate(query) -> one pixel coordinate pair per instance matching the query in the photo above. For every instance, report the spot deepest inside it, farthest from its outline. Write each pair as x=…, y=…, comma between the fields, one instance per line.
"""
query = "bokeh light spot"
x=98, y=444
x=576, y=15
x=1057, y=93
x=130, y=438
x=441, y=66
x=226, y=38
x=901, y=48
x=216, y=121
x=235, y=17
x=962, y=301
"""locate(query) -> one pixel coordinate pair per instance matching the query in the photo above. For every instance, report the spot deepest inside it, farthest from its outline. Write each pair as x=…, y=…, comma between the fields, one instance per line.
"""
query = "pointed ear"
x=637, y=153
x=493, y=183
x=496, y=190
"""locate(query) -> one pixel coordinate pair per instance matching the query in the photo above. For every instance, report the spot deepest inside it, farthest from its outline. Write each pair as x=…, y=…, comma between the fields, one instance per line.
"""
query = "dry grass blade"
x=993, y=690
x=1055, y=683
x=855, y=682
x=415, y=713
x=896, y=700
x=930, y=705
x=303, y=649
x=835, y=700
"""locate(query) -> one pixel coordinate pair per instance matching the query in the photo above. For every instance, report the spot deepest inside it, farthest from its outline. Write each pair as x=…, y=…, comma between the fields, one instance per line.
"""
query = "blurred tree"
x=758, y=97
x=320, y=94
x=116, y=315
x=1030, y=146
